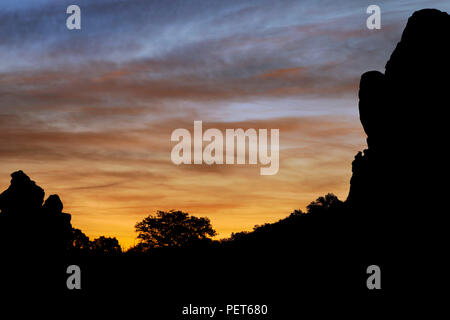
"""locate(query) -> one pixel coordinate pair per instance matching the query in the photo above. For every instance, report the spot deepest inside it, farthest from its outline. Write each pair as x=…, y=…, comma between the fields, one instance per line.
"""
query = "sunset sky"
x=88, y=114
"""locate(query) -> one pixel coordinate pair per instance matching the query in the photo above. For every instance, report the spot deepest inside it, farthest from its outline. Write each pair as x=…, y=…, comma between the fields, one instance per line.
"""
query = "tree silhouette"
x=106, y=245
x=173, y=229
x=80, y=241
x=321, y=204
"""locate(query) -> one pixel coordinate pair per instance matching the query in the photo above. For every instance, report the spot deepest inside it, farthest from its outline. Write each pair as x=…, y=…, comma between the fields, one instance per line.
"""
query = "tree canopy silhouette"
x=106, y=246
x=321, y=204
x=80, y=241
x=173, y=229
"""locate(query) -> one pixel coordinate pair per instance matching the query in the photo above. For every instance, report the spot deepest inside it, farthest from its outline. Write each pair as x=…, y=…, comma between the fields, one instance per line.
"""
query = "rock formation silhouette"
x=397, y=186
x=28, y=224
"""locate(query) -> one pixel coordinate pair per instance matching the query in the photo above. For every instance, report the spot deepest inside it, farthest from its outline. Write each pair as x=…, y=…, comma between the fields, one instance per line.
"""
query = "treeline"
x=177, y=229
x=82, y=245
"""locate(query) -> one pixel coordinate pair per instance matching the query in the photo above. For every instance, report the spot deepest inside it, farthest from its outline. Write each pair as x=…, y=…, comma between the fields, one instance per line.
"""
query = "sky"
x=88, y=114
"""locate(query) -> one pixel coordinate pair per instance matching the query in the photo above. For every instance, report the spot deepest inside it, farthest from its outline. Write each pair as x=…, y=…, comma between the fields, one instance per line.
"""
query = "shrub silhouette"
x=172, y=229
